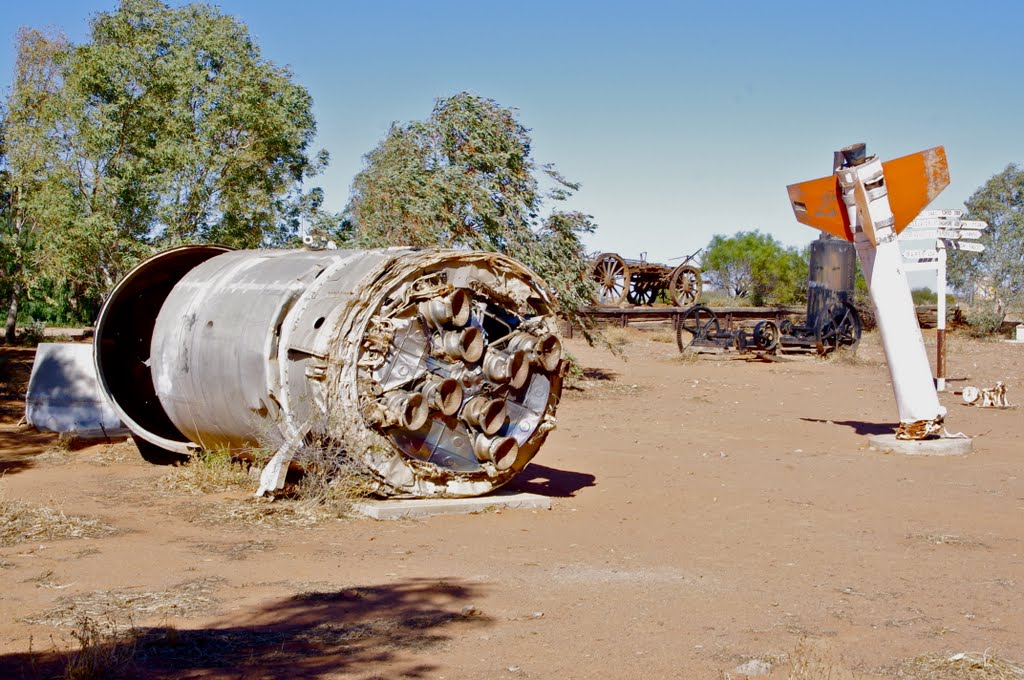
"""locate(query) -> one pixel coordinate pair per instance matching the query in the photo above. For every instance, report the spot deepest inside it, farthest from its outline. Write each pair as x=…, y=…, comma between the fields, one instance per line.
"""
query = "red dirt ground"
x=705, y=513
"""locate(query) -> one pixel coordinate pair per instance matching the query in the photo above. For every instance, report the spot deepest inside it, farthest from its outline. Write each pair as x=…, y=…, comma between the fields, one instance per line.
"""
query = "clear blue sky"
x=681, y=119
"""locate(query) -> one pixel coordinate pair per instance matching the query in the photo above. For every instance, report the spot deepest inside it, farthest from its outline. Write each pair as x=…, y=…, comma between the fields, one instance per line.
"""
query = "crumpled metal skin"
x=438, y=370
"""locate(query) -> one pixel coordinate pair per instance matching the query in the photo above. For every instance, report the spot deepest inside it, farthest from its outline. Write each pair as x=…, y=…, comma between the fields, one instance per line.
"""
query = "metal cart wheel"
x=698, y=324
x=643, y=293
x=838, y=325
x=766, y=335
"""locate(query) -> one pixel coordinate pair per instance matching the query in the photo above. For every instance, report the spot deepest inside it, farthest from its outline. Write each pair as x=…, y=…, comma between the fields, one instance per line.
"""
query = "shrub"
x=33, y=333
x=984, y=321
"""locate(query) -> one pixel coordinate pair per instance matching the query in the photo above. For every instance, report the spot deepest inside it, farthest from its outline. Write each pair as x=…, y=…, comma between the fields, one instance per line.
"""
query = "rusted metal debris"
x=439, y=371
x=920, y=429
x=832, y=321
x=986, y=397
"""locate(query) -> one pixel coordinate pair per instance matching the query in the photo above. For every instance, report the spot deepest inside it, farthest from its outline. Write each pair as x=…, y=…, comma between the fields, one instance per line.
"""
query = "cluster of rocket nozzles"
x=466, y=379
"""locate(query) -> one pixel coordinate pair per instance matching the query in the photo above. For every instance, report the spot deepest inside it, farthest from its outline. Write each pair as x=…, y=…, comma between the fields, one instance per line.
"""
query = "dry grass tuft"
x=322, y=485
x=687, y=357
x=250, y=512
x=617, y=338
x=21, y=522
x=117, y=608
x=947, y=539
x=235, y=551
x=55, y=454
x=210, y=471
x=814, y=659
x=662, y=336
x=846, y=357
x=118, y=453
x=100, y=654
x=330, y=482
x=960, y=666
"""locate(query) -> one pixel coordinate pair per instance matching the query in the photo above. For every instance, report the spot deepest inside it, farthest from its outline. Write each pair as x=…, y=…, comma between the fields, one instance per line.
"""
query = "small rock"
x=470, y=610
x=754, y=667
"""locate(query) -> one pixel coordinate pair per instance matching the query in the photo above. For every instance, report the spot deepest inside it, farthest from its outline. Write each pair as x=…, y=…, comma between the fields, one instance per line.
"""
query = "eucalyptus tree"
x=753, y=265
x=30, y=198
x=171, y=128
x=998, y=272
x=465, y=178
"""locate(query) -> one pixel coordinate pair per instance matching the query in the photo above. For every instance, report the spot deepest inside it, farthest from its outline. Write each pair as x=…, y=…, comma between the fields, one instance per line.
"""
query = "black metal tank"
x=833, y=268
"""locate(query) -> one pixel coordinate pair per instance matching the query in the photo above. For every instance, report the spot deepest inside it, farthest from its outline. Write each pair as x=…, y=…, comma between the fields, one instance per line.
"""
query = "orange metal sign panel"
x=913, y=182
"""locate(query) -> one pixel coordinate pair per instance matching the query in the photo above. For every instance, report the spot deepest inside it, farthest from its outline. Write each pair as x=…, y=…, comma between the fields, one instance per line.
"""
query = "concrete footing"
x=945, y=446
x=414, y=508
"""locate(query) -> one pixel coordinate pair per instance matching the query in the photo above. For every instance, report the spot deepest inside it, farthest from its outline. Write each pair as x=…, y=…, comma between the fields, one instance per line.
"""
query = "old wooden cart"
x=639, y=282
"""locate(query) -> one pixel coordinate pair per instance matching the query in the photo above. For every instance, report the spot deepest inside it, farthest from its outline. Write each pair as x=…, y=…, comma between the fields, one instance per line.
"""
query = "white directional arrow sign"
x=941, y=213
x=965, y=245
x=945, y=231
x=940, y=233
x=931, y=223
x=934, y=222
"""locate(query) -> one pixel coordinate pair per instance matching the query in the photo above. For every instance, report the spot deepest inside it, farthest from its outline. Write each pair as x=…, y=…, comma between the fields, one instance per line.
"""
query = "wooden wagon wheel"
x=612, y=275
x=643, y=292
x=684, y=285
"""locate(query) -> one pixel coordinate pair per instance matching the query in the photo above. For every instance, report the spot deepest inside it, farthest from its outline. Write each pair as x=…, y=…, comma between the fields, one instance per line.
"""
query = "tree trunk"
x=11, y=328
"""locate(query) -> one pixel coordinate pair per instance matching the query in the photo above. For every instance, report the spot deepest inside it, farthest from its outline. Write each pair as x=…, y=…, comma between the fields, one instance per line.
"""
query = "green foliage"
x=464, y=178
x=984, y=320
x=997, y=274
x=167, y=126
x=33, y=333
x=755, y=266
x=924, y=296
x=29, y=196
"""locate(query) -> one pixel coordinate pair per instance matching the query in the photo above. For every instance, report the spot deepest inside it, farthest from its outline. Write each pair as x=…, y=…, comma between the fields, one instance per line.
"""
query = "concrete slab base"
x=427, y=507
x=952, y=446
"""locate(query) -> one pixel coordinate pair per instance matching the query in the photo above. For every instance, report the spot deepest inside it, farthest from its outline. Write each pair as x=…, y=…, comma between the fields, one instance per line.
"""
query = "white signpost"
x=945, y=231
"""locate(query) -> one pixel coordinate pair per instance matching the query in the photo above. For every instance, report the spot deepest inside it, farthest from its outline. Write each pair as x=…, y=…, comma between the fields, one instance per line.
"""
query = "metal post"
x=940, y=332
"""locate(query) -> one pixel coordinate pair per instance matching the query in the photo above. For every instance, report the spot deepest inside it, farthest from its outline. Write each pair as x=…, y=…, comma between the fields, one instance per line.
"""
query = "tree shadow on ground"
x=13, y=467
x=859, y=426
x=597, y=374
x=19, y=447
x=380, y=631
x=545, y=481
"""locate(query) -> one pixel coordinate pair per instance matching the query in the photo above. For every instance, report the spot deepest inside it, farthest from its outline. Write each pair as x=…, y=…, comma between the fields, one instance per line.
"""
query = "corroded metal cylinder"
x=438, y=370
x=831, y=274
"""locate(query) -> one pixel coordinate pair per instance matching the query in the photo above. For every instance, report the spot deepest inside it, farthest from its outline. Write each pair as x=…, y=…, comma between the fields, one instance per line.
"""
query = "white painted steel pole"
x=865, y=196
